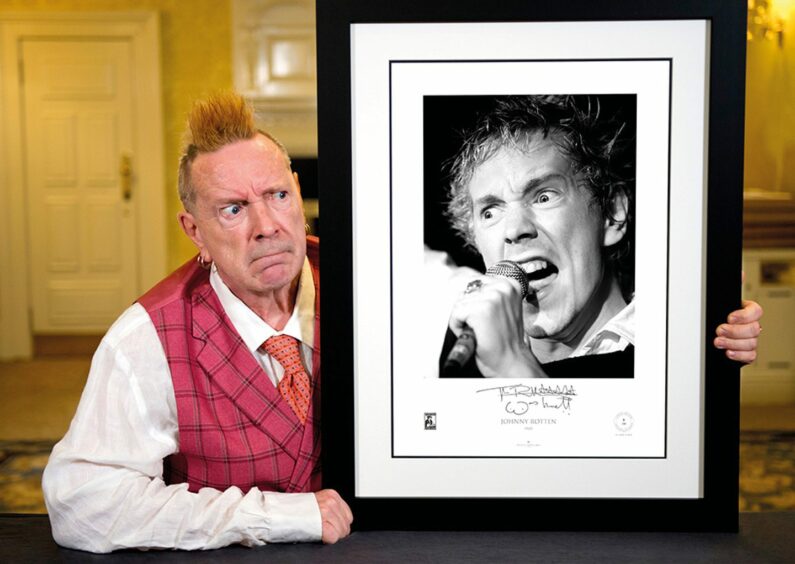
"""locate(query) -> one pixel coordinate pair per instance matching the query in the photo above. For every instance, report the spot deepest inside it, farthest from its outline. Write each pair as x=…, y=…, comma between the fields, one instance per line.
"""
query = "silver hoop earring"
x=202, y=262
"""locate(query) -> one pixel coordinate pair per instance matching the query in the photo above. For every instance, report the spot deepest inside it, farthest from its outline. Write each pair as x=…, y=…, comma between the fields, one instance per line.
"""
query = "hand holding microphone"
x=491, y=309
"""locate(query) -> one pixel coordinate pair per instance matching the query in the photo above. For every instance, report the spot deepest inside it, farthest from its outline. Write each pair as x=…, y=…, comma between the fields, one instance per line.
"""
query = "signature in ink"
x=518, y=398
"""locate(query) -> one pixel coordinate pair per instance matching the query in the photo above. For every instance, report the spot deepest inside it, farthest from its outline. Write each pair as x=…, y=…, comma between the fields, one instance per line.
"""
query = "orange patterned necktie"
x=294, y=385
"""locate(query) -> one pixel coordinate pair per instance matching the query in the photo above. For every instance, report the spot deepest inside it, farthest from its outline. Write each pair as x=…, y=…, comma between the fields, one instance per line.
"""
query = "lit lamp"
x=766, y=20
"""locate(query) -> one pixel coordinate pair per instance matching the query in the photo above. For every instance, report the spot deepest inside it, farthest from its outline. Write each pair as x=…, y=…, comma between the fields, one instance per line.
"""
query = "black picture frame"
x=717, y=509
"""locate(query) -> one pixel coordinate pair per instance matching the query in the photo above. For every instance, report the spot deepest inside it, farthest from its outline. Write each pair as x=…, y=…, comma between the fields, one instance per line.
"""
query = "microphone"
x=465, y=345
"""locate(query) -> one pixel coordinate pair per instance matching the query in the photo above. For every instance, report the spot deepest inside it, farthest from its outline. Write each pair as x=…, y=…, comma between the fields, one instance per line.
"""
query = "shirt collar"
x=253, y=329
x=615, y=335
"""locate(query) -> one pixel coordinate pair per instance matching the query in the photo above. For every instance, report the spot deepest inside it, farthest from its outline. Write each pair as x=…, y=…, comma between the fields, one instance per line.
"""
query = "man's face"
x=248, y=217
x=530, y=208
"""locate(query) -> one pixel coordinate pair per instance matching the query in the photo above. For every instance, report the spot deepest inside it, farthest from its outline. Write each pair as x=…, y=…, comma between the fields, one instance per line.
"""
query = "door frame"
x=142, y=29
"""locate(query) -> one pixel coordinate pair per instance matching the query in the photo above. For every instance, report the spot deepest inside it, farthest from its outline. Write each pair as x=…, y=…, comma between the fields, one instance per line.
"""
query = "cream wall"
x=770, y=108
x=195, y=60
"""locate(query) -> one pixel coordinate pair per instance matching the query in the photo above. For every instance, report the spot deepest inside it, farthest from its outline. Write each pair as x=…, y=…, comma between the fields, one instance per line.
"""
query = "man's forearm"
x=102, y=508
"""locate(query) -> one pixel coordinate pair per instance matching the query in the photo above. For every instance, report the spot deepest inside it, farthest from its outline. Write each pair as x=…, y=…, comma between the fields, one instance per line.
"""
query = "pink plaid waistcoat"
x=234, y=427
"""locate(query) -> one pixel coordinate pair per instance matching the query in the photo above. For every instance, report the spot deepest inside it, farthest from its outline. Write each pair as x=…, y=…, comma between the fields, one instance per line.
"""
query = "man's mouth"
x=270, y=254
x=540, y=272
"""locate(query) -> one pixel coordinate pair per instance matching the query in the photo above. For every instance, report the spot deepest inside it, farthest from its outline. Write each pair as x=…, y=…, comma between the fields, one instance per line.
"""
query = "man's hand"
x=335, y=515
x=492, y=307
x=739, y=336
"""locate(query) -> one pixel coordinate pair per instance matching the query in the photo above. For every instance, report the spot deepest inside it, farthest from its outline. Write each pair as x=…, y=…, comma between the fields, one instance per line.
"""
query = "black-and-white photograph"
x=529, y=215
x=528, y=231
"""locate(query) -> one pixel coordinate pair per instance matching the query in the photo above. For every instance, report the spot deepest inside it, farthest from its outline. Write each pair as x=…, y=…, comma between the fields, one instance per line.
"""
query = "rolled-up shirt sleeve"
x=103, y=484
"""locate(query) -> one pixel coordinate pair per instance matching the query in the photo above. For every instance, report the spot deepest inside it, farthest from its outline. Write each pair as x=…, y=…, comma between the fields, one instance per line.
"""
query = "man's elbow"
x=69, y=520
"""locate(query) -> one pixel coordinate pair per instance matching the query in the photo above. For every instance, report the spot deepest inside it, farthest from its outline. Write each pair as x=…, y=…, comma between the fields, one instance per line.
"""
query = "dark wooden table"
x=763, y=538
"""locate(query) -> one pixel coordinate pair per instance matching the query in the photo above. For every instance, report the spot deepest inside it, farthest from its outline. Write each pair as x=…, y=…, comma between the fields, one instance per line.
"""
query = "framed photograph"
x=532, y=226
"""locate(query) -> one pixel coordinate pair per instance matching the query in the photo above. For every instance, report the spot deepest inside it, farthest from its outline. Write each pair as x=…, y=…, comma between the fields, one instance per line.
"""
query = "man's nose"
x=263, y=222
x=520, y=223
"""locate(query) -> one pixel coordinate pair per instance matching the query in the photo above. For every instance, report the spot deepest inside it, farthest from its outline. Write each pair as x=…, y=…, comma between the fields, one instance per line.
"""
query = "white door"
x=78, y=141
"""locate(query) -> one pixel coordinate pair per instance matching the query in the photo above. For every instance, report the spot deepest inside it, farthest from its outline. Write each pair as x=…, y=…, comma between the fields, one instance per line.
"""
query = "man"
x=547, y=182
x=197, y=426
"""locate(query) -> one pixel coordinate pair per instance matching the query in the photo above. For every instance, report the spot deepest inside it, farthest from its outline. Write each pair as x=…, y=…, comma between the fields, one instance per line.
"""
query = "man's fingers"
x=750, y=312
x=741, y=350
x=332, y=532
x=738, y=337
x=347, y=513
x=739, y=331
x=335, y=527
x=335, y=514
x=478, y=301
x=736, y=344
x=742, y=356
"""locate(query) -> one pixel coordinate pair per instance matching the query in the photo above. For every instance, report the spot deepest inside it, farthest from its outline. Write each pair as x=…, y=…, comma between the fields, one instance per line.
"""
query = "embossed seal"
x=624, y=421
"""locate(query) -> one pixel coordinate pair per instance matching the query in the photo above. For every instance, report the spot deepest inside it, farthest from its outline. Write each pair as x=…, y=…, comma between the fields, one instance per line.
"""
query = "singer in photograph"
x=542, y=188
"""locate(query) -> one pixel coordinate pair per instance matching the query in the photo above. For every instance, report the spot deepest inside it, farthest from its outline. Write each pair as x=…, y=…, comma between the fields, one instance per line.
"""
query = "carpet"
x=767, y=473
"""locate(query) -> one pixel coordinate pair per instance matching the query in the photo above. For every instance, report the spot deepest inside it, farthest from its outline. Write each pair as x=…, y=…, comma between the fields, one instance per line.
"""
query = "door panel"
x=78, y=127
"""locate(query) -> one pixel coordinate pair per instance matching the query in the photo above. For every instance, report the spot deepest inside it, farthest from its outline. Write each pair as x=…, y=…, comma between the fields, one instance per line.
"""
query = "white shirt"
x=254, y=331
x=103, y=484
x=614, y=336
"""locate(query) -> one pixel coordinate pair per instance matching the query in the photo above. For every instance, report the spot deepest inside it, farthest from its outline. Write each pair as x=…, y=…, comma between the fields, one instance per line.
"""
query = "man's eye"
x=282, y=195
x=231, y=210
x=489, y=215
x=546, y=197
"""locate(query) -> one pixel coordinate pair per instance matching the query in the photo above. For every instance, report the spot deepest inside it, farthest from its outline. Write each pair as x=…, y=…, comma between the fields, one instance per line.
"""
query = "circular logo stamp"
x=623, y=421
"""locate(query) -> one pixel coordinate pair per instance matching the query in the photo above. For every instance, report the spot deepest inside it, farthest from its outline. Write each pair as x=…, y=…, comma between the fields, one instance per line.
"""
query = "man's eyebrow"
x=536, y=182
x=226, y=200
x=487, y=200
x=491, y=199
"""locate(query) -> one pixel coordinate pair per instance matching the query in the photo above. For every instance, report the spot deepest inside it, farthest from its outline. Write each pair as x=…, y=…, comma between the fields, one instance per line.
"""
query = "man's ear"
x=191, y=229
x=616, y=224
x=297, y=183
x=300, y=198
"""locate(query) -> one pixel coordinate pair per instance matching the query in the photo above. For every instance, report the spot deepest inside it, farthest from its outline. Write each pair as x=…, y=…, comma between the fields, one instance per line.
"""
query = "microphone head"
x=510, y=269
